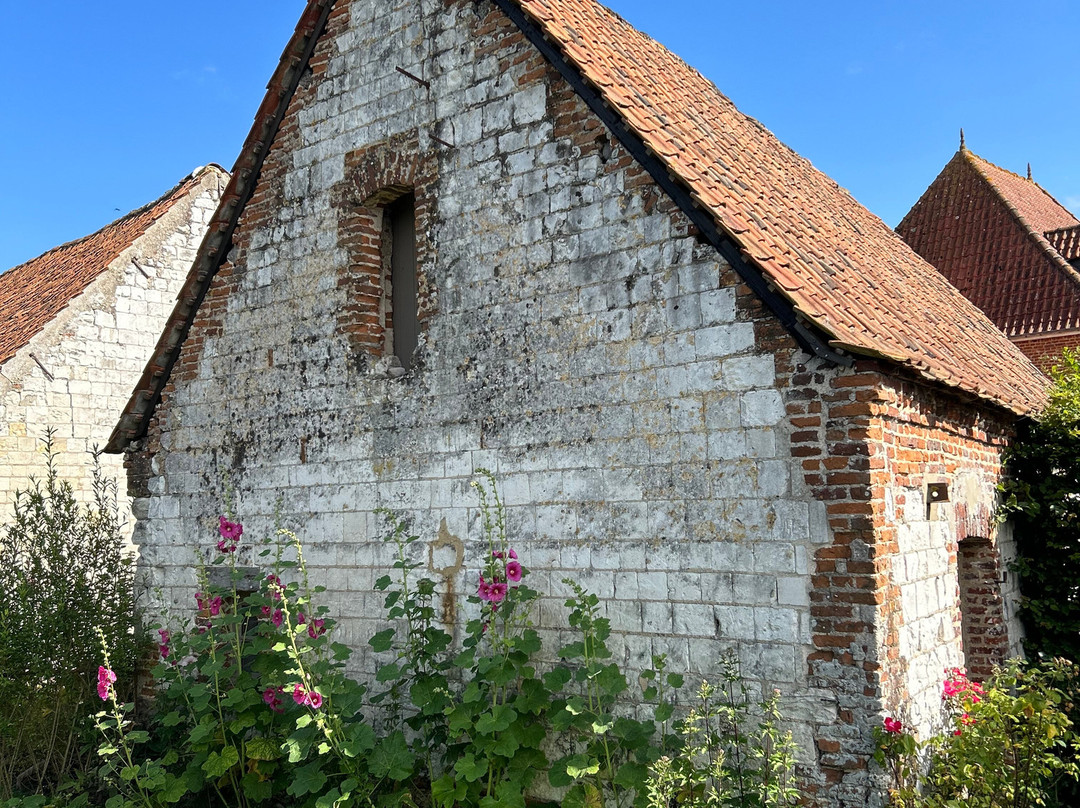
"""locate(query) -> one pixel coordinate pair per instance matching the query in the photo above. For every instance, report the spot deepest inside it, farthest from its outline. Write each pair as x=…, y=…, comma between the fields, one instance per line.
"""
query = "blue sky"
x=110, y=104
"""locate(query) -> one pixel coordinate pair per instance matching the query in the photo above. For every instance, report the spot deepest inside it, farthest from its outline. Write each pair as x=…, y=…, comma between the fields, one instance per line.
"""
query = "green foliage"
x=609, y=758
x=1005, y=744
x=732, y=753
x=65, y=574
x=253, y=702
x=1042, y=498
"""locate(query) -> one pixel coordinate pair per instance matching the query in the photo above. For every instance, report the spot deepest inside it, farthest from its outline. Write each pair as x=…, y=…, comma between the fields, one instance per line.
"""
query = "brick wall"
x=653, y=431
x=95, y=351
x=1045, y=351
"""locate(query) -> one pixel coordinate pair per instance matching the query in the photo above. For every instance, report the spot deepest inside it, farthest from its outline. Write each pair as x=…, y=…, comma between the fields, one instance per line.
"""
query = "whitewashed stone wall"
x=583, y=347
x=95, y=350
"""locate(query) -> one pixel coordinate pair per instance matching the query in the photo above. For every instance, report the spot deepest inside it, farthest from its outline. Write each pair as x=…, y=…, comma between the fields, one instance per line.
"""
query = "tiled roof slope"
x=1066, y=242
x=32, y=294
x=984, y=227
x=840, y=265
x=1040, y=210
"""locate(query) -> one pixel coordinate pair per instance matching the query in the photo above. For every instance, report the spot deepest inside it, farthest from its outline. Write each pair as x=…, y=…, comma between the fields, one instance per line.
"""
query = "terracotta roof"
x=836, y=264
x=1040, y=210
x=992, y=234
x=1066, y=242
x=32, y=294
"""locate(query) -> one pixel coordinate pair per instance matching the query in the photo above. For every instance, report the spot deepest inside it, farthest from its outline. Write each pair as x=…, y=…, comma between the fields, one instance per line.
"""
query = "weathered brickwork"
x=76, y=374
x=654, y=433
x=1045, y=351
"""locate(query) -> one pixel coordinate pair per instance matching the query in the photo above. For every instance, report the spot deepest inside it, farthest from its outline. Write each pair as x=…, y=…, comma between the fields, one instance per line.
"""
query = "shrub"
x=1042, y=498
x=1005, y=744
x=65, y=575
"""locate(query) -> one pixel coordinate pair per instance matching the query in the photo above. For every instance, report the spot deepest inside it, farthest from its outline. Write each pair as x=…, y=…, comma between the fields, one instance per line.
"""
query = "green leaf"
x=664, y=712
x=388, y=672
x=308, y=779
x=470, y=768
x=383, y=641
x=392, y=758
x=632, y=775
x=447, y=791
x=383, y=583
x=220, y=762
x=581, y=766
x=262, y=749
x=329, y=799
x=170, y=719
x=675, y=680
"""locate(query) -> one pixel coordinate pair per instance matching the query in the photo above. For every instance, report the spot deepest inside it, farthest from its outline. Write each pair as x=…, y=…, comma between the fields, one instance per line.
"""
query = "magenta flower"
x=314, y=699
x=497, y=554
x=513, y=555
x=485, y=589
x=894, y=725
x=278, y=618
x=299, y=695
x=230, y=535
x=315, y=628
x=163, y=645
x=513, y=571
x=265, y=611
x=105, y=680
x=215, y=606
x=300, y=619
x=497, y=592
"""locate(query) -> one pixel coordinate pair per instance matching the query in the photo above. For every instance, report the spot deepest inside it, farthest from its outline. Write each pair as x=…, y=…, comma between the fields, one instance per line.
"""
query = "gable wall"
x=653, y=431
x=95, y=351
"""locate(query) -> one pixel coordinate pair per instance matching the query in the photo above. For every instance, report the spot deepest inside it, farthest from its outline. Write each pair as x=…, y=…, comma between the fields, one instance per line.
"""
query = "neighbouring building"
x=521, y=235
x=1009, y=246
x=77, y=326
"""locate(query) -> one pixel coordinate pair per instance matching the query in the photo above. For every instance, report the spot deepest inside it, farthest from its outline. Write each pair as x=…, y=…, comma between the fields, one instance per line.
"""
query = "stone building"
x=521, y=235
x=78, y=324
x=1009, y=246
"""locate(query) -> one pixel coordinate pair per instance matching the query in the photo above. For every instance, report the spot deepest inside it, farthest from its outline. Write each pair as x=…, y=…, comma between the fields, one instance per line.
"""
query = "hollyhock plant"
x=316, y=628
x=163, y=644
x=513, y=572
x=106, y=679
x=894, y=725
x=497, y=592
x=278, y=618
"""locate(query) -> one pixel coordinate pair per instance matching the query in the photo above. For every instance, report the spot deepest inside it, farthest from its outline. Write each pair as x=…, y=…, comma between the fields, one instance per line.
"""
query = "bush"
x=65, y=575
x=1042, y=498
x=1005, y=744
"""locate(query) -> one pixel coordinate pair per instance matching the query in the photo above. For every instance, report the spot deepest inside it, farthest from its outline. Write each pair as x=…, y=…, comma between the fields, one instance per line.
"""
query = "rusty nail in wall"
x=417, y=79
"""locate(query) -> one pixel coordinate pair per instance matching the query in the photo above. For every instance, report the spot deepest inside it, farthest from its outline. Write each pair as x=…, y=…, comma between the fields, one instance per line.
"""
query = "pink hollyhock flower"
x=269, y=695
x=497, y=592
x=485, y=589
x=315, y=628
x=957, y=732
x=894, y=725
x=199, y=601
x=966, y=719
x=105, y=680
x=215, y=606
x=497, y=554
x=513, y=571
x=278, y=618
x=299, y=695
x=265, y=611
x=300, y=619
x=163, y=645
x=230, y=531
x=513, y=555
x=314, y=700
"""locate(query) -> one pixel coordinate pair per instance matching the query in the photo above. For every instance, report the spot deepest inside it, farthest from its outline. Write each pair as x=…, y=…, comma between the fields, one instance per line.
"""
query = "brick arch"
x=377, y=175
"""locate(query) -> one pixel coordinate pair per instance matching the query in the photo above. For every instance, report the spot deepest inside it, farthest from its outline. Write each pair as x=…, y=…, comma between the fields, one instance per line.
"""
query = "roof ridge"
x=174, y=191
x=1034, y=233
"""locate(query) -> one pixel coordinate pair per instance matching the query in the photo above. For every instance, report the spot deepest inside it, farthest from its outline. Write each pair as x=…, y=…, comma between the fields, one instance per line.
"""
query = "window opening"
x=402, y=319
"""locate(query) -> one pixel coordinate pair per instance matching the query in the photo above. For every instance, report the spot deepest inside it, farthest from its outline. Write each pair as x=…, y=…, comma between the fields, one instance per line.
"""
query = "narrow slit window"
x=404, y=333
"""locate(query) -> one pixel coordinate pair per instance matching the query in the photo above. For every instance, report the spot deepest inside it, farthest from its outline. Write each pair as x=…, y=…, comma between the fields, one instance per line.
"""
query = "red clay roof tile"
x=32, y=294
x=986, y=229
x=837, y=263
